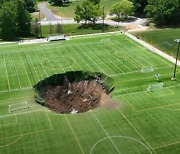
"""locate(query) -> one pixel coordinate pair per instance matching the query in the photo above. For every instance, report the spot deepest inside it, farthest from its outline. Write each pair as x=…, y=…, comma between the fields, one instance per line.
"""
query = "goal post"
x=154, y=87
x=18, y=107
x=147, y=69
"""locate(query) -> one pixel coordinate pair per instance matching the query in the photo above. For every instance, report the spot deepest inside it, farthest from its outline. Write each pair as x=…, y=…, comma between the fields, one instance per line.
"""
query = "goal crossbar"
x=18, y=106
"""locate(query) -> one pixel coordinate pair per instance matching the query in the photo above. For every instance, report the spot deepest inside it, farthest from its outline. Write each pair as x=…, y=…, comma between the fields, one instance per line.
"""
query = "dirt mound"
x=77, y=97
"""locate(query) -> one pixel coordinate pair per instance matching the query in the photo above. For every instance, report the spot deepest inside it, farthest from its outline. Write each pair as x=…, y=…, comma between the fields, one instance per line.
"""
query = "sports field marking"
x=120, y=51
x=83, y=59
x=74, y=134
x=163, y=95
x=12, y=123
x=16, y=70
x=4, y=91
x=1, y=146
x=38, y=131
x=102, y=59
x=107, y=58
x=88, y=58
x=119, y=136
x=149, y=109
x=135, y=55
x=30, y=60
x=166, y=145
x=25, y=69
x=104, y=131
x=8, y=83
x=135, y=129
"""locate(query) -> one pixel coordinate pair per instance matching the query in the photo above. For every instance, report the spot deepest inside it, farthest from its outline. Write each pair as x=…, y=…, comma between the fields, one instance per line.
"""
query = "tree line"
x=15, y=19
x=162, y=12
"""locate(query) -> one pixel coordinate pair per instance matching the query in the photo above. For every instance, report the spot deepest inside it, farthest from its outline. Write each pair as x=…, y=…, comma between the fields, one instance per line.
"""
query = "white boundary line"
x=151, y=48
x=105, y=131
x=15, y=70
x=25, y=69
x=119, y=136
x=7, y=76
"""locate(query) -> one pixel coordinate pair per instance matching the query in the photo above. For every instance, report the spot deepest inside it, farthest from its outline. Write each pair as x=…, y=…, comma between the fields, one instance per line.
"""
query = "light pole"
x=40, y=24
x=174, y=75
x=103, y=18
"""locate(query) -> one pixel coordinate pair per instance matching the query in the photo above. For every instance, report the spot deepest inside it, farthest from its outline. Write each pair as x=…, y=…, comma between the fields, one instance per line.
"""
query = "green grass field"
x=142, y=122
x=69, y=11
x=162, y=39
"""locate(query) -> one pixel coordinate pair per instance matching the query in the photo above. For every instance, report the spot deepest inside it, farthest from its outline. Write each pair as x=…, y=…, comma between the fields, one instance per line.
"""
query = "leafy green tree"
x=59, y=2
x=30, y=5
x=123, y=8
x=23, y=19
x=164, y=11
x=8, y=16
x=139, y=6
x=88, y=12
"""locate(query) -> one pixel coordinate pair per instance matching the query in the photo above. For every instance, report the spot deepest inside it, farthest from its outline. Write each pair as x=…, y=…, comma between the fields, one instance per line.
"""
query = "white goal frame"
x=18, y=107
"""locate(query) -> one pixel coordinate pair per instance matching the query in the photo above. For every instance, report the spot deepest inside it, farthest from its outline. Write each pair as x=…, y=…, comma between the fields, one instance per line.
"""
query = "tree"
x=23, y=20
x=59, y=28
x=14, y=19
x=123, y=8
x=8, y=16
x=164, y=11
x=139, y=6
x=59, y=2
x=88, y=12
x=30, y=5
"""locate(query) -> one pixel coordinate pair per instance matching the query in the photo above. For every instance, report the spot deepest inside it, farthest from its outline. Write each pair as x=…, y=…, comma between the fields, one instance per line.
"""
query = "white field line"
x=4, y=91
x=119, y=136
x=32, y=64
x=136, y=55
x=105, y=131
x=41, y=63
x=87, y=64
x=49, y=62
x=59, y=62
x=107, y=51
x=9, y=115
x=103, y=60
x=109, y=60
x=92, y=61
x=151, y=48
x=16, y=71
x=132, y=93
x=25, y=69
x=74, y=59
x=135, y=63
x=7, y=77
x=160, y=59
x=105, y=64
x=96, y=34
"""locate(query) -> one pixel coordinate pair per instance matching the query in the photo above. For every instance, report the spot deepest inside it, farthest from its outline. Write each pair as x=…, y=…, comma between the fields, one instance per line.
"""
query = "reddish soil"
x=81, y=96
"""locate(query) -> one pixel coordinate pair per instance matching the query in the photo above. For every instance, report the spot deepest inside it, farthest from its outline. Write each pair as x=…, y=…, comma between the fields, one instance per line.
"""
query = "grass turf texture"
x=69, y=10
x=142, y=123
x=162, y=39
x=77, y=29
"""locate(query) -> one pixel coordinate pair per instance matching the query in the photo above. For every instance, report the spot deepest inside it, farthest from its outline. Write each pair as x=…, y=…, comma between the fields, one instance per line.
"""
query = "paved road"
x=50, y=18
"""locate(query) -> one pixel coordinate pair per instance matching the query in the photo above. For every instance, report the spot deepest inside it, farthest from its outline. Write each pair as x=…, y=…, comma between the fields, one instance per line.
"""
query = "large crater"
x=73, y=92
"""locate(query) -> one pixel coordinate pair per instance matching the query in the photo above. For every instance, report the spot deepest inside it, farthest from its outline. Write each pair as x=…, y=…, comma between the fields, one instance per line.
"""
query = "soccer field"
x=142, y=122
x=163, y=39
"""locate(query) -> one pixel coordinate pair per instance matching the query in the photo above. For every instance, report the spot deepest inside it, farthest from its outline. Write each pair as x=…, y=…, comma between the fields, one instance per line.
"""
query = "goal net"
x=155, y=87
x=18, y=107
x=147, y=69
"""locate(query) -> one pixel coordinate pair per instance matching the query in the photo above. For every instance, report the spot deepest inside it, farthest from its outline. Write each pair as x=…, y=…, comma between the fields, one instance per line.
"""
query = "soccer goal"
x=105, y=40
x=147, y=69
x=18, y=107
x=154, y=87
